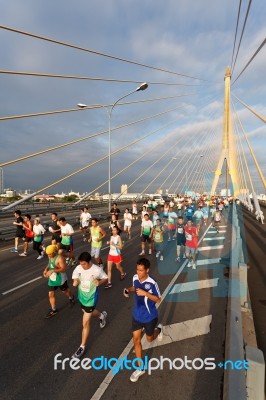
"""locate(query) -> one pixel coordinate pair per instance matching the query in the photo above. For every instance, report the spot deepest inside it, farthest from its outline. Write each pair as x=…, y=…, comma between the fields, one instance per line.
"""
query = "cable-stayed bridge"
x=184, y=133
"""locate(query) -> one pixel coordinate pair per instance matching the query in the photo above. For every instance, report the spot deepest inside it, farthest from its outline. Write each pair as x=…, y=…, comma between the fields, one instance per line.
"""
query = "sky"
x=186, y=44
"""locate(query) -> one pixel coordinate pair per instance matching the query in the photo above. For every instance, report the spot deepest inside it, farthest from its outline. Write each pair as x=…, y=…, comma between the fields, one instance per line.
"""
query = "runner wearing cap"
x=57, y=278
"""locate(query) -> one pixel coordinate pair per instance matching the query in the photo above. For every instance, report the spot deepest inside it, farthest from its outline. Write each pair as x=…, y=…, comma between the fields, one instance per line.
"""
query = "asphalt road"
x=29, y=342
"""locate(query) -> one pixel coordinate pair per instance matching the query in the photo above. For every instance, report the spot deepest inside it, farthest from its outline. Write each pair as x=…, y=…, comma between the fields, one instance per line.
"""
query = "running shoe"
x=157, y=254
x=40, y=257
x=108, y=285
x=103, y=320
x=14, y=250
x=178, y=259
x=150, y=252
x=161, y=258
x=169, y=240
x=23, y=255
x=142, y=253
x=160, y=336
x=194, y=266
x=122, y=276
x=184, y=256
x=189, y=264
x=51, y=313
x=79, y=353
x=136, y=375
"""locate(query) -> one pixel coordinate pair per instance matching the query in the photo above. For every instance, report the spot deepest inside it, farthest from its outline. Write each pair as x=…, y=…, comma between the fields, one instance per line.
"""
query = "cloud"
x=194, y=38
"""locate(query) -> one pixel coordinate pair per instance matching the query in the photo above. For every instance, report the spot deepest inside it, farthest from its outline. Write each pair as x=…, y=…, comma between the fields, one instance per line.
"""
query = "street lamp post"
x=143, y=86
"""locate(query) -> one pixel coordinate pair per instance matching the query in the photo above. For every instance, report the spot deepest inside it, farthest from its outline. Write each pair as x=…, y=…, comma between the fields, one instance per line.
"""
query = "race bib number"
x=53, y=276
x=188, y=236
x=85, y=286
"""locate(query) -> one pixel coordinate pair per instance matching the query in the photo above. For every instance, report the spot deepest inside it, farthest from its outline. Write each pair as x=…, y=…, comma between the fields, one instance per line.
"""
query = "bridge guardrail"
x=9, y=232
x=240, y=384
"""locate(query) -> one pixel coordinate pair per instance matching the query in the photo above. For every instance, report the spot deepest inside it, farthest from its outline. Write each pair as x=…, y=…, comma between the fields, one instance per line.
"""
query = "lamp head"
x=143, y=86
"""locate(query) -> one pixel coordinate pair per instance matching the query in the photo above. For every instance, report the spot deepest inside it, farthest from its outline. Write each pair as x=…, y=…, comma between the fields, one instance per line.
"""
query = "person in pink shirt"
x=191, y=233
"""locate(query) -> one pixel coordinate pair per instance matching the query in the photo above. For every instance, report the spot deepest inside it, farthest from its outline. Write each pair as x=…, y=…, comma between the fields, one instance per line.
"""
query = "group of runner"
x=157, y=227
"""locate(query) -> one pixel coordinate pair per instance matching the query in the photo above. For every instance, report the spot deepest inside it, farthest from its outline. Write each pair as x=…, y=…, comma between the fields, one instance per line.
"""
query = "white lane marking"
x=194, y=285
x=109, y=377
x=215, y=238
x=208, y=261
x=222, y=231
x=23, y=284
x=220, y=246
x=181, y=331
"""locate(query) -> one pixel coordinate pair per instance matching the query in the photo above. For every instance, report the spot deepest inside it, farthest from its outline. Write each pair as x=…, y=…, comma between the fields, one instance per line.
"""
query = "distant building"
x=10, y=193
x=124, y=189
x=44, y=197
x=119, y=196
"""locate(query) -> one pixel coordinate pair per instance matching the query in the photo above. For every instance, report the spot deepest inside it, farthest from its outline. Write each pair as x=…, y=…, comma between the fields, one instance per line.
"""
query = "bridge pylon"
x=228, y=153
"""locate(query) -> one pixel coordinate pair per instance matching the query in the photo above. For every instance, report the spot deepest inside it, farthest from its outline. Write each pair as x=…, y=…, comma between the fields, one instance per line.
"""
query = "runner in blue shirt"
x=145, y=314
x=189, y=212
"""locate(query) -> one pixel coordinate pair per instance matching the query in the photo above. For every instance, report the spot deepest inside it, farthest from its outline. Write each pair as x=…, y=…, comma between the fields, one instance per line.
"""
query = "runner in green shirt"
x=96, y=238
x=88, y=277
x=57, y=278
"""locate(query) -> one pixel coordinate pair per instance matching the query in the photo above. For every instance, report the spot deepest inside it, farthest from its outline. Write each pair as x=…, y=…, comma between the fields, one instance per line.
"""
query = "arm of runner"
x=126, y=291
x=45, y=271
x=76, y=282
x=102, y=231
x=100, y=282
x=60, y=264
x=141, y=292
x=118, y=245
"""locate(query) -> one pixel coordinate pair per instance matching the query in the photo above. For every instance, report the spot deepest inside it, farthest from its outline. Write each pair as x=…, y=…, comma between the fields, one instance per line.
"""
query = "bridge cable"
x=243, y=29
x=252, y=58
x=132, y=163
x=93, y=107
x=86, y=138
x=239, y=8
x=261, y=117
x=96, y=52
x=38, y=74
x=252, y=153
x=150, y=168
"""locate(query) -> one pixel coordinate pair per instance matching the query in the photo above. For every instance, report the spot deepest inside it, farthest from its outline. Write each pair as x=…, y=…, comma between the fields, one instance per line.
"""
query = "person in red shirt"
x=191, y=233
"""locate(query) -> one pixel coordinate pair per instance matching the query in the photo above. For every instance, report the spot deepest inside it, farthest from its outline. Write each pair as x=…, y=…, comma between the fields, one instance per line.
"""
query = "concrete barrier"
x=241, y=384
x=255, y=374
x=234, y=380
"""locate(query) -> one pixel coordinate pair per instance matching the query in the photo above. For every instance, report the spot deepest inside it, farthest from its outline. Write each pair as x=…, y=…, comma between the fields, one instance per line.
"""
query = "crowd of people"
x=175, y=221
